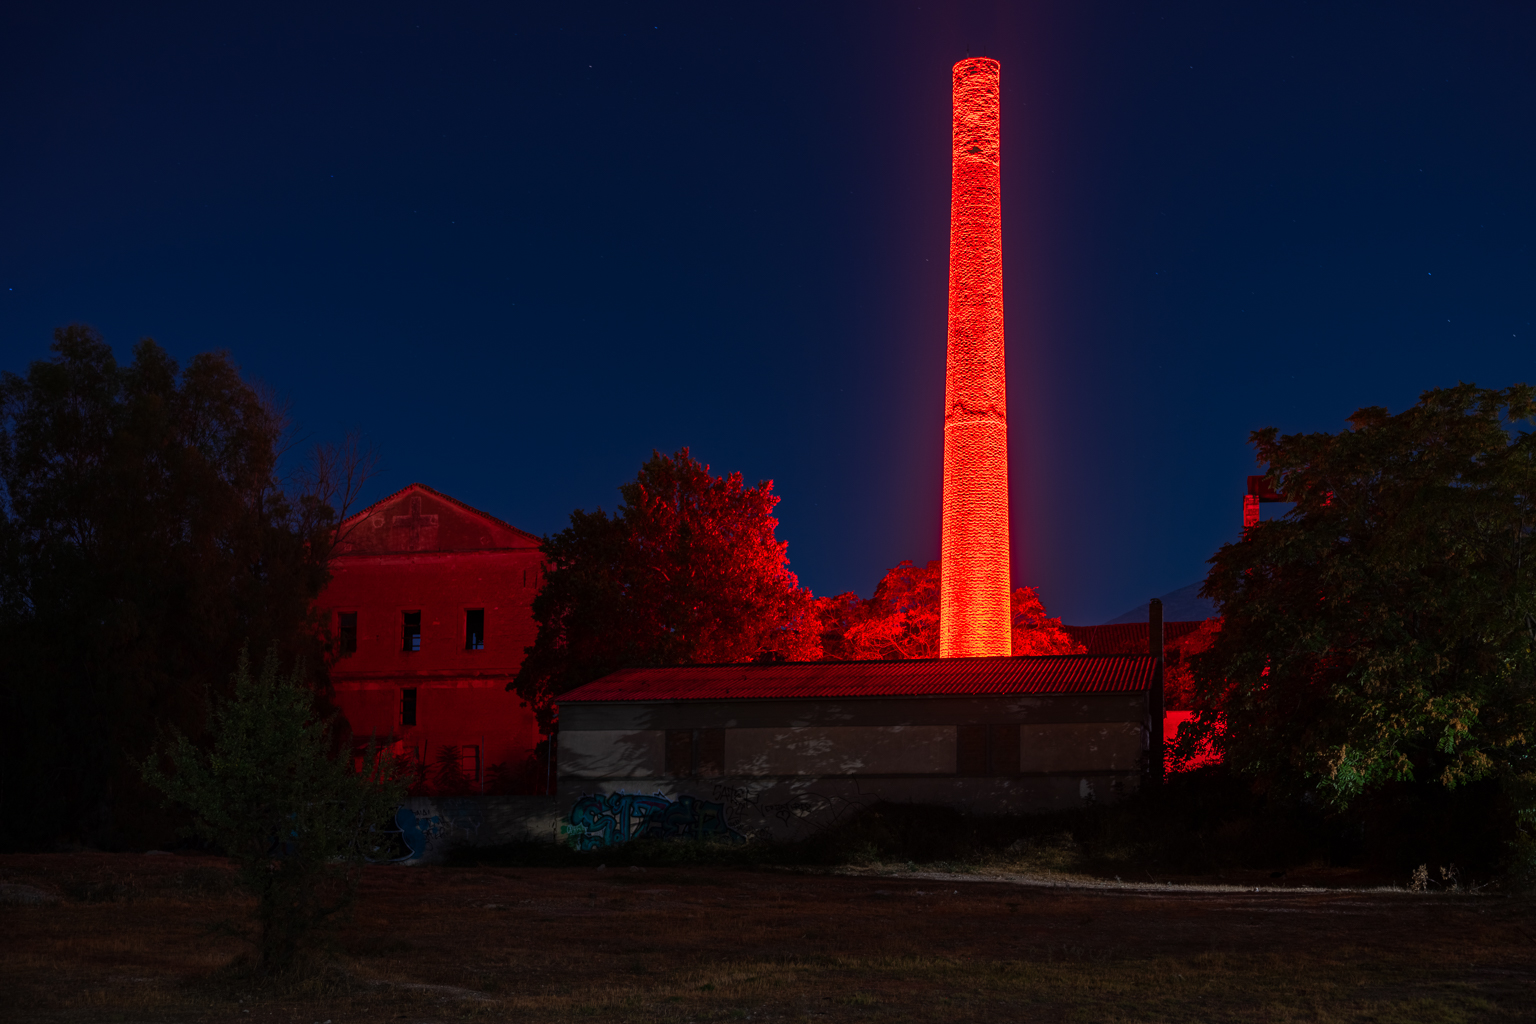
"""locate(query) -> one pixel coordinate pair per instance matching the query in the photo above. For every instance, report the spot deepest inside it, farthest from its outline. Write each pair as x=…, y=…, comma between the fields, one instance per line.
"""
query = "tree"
x=901, y=620
x=276, y=795
x=144, y=537
x=1178, y=677
x=1382, y=631
x=687, y=570
x=836, y=616
x=1034, y=632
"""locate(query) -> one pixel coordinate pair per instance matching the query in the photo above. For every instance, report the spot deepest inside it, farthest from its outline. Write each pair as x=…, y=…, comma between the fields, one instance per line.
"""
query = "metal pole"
x=1155, y=697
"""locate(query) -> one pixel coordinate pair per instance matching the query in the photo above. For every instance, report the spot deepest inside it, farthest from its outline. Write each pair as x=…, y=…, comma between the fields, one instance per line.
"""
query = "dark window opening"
x=412, y=631
x=987, y=750
x=679, y=752
x=709, y=752
x=474, y=629
x=346, y=632
x=469, y=762
x=408, y=706
x=692, y=753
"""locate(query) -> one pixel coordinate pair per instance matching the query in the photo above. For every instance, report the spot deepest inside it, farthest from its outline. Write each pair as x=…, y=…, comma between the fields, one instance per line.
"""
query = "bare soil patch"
x=132, y=937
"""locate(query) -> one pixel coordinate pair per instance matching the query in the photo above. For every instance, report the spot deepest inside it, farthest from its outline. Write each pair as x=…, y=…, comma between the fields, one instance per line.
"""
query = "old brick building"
x=431, y=604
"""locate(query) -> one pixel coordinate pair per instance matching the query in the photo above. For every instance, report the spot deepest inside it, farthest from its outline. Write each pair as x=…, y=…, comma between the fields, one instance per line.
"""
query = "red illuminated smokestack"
x=974, y=614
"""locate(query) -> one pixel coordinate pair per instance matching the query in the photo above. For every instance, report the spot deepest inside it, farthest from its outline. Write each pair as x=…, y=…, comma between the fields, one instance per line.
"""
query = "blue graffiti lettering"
x=599, y=820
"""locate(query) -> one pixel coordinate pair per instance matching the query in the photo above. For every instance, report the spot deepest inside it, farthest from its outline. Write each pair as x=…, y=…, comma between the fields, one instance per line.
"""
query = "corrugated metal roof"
x=1068, y=673
x=1125, y=637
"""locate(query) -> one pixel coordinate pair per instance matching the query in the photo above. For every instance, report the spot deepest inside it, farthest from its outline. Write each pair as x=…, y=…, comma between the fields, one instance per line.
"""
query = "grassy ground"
x=151, y=938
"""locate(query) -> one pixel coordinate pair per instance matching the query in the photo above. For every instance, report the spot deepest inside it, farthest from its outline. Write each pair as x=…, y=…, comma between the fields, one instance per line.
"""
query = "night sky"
x=520, y=246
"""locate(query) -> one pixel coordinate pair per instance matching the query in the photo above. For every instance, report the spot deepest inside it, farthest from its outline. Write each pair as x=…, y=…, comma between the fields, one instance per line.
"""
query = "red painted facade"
x=974, y=591
x=431, y=604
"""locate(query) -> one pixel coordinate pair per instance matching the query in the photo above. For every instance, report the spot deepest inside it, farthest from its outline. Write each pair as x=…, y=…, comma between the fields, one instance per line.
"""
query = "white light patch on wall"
x=612, y=753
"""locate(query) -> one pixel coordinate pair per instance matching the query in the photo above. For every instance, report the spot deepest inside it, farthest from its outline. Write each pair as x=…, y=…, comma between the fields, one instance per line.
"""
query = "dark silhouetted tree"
x=1382, y=631
x=144, y=539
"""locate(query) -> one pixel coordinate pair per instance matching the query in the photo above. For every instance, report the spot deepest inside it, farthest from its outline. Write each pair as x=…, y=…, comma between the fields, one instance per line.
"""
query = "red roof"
x=1064, y=673
x=1125, y=637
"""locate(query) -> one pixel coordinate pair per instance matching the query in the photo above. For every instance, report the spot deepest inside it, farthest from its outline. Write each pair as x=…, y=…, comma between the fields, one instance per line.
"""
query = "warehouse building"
x=777, y=751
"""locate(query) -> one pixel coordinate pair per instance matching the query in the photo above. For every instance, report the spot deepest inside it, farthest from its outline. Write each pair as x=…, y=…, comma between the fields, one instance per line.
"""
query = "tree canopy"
x=901, y=620
x=686, y=570
x=144, y=539
x=1383, y=629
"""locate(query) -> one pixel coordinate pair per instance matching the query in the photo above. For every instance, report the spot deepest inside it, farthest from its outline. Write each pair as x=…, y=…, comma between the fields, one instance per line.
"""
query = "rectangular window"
x=469, y=762
x=987, y=749
x=693, y=753
x=346, y=633
x=474, y=629
x=411, y=631
x=408, y=706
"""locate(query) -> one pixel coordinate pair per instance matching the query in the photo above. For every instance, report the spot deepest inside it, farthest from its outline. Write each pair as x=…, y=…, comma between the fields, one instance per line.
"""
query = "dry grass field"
x=133, y=937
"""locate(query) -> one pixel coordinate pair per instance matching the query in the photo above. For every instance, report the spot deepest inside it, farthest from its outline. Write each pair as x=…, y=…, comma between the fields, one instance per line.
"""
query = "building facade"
x=739, y=752
x=431, y=605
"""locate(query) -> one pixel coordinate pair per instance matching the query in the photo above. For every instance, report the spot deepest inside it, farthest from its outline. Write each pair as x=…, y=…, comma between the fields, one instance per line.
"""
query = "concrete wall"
x=597, y=813
x=841, y=750
x=1081, y=746
x=877, y=711
x=431, y=826
x=793, y=767
x=853, y=750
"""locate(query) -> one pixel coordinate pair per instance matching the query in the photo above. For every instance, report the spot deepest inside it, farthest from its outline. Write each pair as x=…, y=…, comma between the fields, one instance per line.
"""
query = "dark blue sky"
x=518, y=247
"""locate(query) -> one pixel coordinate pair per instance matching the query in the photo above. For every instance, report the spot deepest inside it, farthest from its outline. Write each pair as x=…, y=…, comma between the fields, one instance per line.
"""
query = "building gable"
x=418, y=518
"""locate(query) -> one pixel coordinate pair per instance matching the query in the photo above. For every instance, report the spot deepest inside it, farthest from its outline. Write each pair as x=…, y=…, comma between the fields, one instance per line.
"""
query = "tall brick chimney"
x=974, y=590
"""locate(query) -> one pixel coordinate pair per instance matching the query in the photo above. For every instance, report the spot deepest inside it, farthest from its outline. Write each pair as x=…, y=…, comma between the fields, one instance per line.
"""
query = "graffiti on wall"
x=743, y=803
x=414, y=834
x=603, y=819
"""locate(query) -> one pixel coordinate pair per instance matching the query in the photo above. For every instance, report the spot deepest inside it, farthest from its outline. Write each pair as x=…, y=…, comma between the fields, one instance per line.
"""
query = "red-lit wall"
x=421, y=551
x=974, y=589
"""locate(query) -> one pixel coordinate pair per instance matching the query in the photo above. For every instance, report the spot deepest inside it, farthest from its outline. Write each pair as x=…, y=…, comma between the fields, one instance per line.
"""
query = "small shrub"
x=273, y=795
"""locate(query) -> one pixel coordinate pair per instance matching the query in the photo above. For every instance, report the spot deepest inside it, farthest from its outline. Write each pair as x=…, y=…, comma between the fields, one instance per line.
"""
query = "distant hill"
x=1182, y=605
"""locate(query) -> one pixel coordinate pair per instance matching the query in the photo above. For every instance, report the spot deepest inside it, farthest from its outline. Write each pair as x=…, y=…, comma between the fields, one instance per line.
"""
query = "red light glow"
x=974, y=591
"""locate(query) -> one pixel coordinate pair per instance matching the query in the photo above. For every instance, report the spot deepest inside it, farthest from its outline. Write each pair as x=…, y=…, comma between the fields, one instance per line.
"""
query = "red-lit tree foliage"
x=837, y=615
x=901, y=620
x=1178, y=679
x=1034, y=632
x=687, y=570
